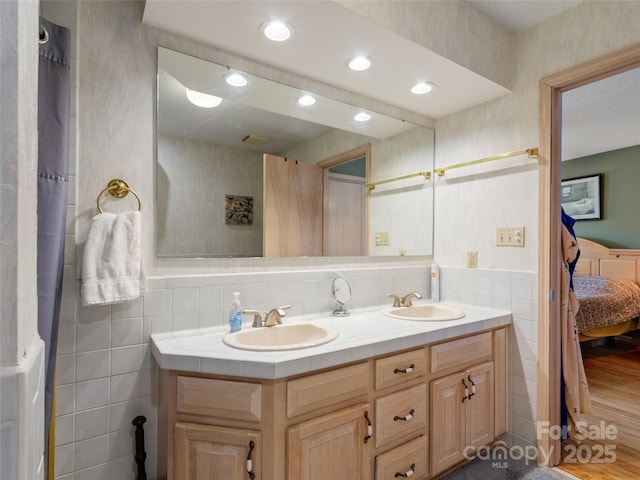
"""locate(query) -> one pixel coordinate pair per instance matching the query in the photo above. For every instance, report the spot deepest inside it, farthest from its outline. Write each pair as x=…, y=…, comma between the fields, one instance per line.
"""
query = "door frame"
x=549, y=171
x=344, y=157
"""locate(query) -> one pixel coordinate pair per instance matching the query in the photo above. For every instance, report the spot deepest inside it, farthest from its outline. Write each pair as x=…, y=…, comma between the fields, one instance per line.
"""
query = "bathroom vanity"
x=387, y=399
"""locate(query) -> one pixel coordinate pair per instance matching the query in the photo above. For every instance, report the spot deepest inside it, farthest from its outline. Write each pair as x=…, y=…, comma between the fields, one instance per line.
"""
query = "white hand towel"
x=111, y=263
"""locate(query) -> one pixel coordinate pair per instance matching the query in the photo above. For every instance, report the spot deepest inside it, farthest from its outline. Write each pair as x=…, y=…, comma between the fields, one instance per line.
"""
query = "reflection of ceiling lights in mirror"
x=306, y=100
x=362, y=117
x=359, y=63
x=421, y=88
x=203, y=100
x=276, y=30
x=235, y=79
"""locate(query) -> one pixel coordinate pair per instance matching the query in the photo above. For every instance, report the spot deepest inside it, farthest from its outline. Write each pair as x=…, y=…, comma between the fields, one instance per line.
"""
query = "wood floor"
x=613, y=373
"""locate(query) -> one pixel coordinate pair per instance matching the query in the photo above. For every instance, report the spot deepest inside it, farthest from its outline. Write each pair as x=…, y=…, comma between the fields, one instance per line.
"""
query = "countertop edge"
x=273, y=367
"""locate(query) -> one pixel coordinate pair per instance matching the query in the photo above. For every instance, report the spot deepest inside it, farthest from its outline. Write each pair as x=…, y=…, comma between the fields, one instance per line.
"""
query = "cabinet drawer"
x=219, y=398
x=398, y=368
x=316, y=391
x=400, y=414
x=407, y=460
x=461, y=353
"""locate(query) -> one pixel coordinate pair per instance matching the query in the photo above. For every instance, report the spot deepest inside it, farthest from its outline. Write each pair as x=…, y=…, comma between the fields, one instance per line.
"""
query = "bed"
x=607, y=284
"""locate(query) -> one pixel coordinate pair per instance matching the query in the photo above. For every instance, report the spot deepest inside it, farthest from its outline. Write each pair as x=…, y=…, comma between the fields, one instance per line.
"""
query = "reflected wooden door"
x=292, y=208
x=344, y=215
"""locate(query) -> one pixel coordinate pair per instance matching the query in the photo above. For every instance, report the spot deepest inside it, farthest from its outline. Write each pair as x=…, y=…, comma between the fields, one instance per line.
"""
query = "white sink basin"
x=289, y=336
x=425, y=313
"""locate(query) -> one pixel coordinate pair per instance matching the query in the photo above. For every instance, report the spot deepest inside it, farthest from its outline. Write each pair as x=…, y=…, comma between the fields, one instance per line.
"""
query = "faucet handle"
x=257, y=318
x=396, y=299
x=406, y=300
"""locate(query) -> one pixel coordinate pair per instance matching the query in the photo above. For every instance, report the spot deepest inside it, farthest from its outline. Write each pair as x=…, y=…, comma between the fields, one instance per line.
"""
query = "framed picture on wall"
x=580, y=197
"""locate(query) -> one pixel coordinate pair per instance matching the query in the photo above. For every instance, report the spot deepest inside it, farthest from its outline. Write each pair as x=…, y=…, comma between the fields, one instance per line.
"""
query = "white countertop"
x=364, y=334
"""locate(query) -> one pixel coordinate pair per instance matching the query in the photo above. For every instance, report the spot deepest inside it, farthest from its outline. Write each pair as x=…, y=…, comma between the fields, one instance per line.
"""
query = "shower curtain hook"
x=43, y=36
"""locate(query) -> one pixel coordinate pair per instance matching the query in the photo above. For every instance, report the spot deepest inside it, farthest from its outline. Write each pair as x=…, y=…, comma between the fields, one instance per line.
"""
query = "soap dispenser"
x=235, y=315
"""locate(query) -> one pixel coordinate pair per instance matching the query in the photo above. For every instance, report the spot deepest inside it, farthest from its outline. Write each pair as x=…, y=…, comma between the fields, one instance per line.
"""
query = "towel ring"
x=119, y=189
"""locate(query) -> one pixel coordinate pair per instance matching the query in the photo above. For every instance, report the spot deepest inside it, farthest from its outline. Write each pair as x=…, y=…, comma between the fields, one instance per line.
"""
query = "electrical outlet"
x=510, y=236
x=382, y=239
x=472, y=259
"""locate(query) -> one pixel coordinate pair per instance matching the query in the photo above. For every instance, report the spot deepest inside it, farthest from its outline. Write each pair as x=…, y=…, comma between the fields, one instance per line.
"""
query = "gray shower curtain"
x=53, y=169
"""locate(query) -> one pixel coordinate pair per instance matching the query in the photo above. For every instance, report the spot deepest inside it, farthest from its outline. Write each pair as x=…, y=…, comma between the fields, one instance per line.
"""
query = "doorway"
x=345, y=223
x=551, y=89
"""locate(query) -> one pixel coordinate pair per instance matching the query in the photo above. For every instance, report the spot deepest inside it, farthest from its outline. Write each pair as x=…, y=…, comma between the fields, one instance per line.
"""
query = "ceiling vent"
x=255, y=139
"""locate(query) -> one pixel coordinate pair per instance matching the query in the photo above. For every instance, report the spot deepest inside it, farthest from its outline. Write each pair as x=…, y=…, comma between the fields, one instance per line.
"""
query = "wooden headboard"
x=596, y=259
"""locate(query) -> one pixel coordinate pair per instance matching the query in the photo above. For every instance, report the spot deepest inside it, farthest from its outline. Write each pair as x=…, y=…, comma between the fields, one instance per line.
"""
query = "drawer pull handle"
x=369, y=427
x=250, y=471
x=466, y=392
x=409, y=369
x=404, y=418
x=473, y=387
x=408, y=473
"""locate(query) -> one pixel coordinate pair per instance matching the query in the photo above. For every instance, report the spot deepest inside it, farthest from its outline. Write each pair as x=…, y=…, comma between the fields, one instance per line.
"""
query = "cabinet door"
x=447, y=422
x=331, y=446
x=480, y=407
x=206, y=452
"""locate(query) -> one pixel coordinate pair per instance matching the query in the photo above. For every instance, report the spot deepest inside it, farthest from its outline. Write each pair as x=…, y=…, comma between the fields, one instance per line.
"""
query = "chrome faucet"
x=406, y=300
x=271, y=318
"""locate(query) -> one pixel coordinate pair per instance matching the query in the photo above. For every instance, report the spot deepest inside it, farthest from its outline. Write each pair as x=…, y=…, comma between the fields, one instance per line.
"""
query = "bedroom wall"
x=619, y=226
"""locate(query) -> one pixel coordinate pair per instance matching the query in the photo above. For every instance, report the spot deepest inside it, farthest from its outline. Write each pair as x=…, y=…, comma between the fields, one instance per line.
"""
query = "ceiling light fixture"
x=306, y=100
x=421, y=88
x=276, y=30
x=362, y=117
x=235, y=79
x=359, y=63
x=203, y=100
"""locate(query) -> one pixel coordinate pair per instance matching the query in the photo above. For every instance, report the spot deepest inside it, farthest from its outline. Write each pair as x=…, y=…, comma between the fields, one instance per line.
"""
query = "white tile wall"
x=106, y=376
x=515, y=291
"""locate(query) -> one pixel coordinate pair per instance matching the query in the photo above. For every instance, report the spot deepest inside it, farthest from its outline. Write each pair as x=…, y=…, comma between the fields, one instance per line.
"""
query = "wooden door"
x=447, y=422
x=292, y=217
x=344, y=215
x=206, y=452
x=480, y=407
x=330, y=446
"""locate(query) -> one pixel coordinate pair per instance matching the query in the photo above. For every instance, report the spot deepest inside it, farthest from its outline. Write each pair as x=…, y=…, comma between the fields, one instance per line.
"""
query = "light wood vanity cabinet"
x=396, y=416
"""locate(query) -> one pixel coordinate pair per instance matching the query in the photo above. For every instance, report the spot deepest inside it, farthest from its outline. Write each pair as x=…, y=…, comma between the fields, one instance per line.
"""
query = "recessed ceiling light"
x=359, y=63
x=362, y=117
x=235, y=79
x=203, y=100
x=306, y=100
x=276, y=30
x=421, y=88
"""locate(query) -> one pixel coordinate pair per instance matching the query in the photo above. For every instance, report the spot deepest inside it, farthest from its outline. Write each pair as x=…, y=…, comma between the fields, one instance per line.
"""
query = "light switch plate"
x=510, y=236
x=382, y=239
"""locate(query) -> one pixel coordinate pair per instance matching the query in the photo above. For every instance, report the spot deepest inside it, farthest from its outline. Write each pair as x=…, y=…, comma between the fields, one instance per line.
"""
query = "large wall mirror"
x=252, y=172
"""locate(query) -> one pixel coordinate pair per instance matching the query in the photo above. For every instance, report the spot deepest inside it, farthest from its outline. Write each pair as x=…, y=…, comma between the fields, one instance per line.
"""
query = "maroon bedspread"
x=605, y=301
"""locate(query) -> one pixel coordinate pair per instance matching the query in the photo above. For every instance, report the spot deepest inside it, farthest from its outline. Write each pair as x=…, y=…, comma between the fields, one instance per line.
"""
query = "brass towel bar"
x=119, y=189
x=426, y=175
x=531, y=153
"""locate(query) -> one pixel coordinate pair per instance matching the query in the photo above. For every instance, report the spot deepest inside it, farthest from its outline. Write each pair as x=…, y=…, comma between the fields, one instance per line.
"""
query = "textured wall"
x=192, y=180
x=505, y=193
